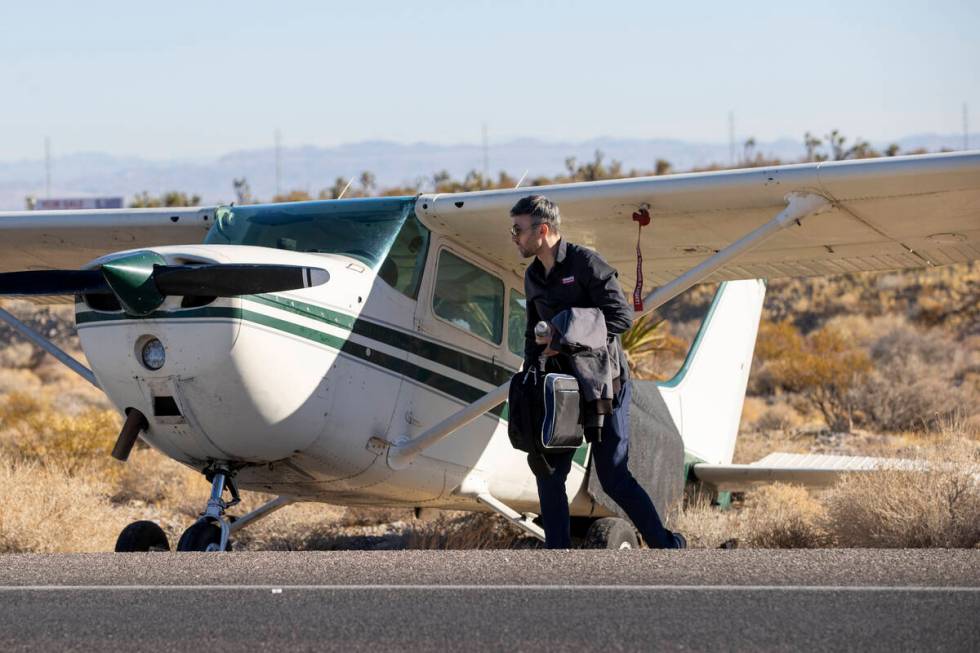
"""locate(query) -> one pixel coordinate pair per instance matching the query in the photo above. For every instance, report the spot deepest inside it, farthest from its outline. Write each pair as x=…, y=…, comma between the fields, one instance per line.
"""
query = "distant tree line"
x=831, y=147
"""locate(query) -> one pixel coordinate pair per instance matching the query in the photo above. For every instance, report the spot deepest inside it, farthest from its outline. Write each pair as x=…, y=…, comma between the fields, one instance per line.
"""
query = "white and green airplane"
x=357, y=352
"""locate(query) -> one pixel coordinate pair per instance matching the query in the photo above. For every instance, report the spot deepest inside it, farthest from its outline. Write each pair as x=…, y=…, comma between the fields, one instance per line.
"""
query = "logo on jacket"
x=567, y=280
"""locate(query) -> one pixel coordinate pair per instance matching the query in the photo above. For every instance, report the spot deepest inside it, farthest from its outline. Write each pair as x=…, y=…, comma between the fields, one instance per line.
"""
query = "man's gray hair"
x=540, y=208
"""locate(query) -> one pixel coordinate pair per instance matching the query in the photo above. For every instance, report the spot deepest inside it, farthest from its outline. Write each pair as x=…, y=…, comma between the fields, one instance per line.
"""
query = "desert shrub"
x=822, y=366
x=777, y=417
x=367, y=516
x=44, y=510
x=150, y=478
x=309, y=527
x=34, y=431
x=783, y=516
x=21, y=355
x=18, y=380
x=704, y=525
x=755, y=445
x=53, y=321
x=913, y=382
x=649, y=336
x=475, y=530
x=947, y=295
x=938, y=507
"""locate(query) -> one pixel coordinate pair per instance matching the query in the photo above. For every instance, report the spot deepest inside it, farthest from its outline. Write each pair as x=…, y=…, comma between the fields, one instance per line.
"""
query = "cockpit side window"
x=469, y=297
x=402, y=268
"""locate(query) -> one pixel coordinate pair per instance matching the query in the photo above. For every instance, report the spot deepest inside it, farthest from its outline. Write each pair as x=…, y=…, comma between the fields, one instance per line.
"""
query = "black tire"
x=142, y=536
x=200, y=536
x=611, y=533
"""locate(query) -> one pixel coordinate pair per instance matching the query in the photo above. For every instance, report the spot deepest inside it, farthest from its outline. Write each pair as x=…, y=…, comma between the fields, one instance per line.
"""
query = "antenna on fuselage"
x=345, y=188
x=521, y=181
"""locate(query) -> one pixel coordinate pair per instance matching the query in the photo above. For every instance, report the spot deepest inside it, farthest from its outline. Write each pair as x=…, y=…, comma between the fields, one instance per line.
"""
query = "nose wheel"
x=202, y=536
x=210, y=532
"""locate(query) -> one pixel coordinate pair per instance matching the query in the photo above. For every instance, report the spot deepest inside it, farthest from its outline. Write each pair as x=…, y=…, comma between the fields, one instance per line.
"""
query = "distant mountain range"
x=314, y=168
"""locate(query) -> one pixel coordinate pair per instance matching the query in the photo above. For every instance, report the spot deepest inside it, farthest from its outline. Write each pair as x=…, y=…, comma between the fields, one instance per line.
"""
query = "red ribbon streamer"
x=642, y=217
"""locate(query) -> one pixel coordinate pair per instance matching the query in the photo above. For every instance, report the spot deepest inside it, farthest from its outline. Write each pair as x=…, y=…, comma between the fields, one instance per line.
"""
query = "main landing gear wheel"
x=142, y=536
x=202, y=536
x=611, y=533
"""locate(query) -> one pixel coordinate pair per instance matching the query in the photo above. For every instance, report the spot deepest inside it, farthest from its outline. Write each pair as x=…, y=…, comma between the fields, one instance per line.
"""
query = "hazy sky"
x=198, y=79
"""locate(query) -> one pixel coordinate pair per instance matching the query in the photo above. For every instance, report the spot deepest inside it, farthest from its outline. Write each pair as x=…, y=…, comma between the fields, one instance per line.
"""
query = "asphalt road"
x=498, y=600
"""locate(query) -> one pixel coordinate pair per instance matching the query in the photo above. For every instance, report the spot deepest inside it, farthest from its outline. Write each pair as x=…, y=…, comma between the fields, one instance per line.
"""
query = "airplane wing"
x=887, y=213
x=43, y=240
x=813, y=470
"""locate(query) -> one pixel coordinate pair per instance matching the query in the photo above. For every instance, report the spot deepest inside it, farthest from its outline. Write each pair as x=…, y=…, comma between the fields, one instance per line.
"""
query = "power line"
x=278, y=138
x=731, y=137
x=47, y=167
x=486, y=155
x=966, y=127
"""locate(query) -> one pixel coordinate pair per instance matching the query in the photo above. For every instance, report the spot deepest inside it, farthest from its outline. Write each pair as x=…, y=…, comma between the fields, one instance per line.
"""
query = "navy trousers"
x=609, y=458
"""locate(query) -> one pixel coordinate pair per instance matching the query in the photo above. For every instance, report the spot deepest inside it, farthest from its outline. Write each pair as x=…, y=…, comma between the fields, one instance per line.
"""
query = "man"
x=563, y=275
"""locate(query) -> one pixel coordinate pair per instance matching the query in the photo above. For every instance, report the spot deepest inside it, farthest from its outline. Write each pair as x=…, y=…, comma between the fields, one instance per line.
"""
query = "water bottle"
x=542, y=331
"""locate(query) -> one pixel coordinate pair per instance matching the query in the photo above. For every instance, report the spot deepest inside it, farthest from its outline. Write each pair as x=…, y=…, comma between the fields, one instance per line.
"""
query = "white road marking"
x=276, y=589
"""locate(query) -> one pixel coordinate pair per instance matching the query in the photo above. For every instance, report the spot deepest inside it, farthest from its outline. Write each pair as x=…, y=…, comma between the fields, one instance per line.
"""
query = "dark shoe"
x=680, y=541
x=729, y=544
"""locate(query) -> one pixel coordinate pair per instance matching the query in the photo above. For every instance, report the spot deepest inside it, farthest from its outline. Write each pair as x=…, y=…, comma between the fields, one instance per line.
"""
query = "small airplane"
x=357, y=352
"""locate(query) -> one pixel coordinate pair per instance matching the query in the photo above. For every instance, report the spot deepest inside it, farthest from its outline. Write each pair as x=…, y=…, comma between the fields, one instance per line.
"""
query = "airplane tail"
x=705, y=397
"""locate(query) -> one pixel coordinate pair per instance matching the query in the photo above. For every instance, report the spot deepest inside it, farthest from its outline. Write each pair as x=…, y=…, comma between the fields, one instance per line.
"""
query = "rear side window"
x=516, y=322
x=469, y=297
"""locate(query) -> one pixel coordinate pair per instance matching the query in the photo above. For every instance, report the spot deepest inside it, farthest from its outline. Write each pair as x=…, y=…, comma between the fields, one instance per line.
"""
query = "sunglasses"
x=516, y=231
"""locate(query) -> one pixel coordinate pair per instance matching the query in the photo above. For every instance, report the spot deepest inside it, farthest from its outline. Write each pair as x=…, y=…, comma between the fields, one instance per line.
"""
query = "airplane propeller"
x=142, y=280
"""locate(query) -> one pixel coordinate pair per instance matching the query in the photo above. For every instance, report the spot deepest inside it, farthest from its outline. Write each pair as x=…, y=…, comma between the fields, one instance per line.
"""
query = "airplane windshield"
x=362, y=228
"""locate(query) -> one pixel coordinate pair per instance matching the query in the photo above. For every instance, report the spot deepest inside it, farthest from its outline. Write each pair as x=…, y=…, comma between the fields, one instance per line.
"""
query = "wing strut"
x=49, y=347
x=475, y=487
x=403, y=452
x=799, y=205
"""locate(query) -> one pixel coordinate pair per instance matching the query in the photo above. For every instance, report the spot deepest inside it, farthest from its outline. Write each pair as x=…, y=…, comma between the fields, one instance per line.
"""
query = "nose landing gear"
x=211, y=531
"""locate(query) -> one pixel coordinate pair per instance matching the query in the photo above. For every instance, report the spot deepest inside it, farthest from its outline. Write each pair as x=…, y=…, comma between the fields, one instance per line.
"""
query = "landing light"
x=153, y=354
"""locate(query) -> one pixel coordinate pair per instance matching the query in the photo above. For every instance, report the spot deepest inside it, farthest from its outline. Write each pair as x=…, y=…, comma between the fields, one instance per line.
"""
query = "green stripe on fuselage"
x=452, y=358
x=435, y=380
x=461, y=361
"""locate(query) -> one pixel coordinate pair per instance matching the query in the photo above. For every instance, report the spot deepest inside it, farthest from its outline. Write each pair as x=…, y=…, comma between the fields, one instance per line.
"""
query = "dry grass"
x=33, y=430
x=44, y=510
x=782, y=516
x=896, y=509
x=907, y=509
x=704, y=525
x=455, y=530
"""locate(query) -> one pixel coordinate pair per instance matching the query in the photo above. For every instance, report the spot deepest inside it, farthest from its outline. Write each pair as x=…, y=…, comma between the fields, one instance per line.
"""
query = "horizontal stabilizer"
x=814, y=470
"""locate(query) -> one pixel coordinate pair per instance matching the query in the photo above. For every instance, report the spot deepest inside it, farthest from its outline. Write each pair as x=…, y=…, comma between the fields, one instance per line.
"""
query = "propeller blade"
x=233, y=279
x=156, y=281
x=53, y=282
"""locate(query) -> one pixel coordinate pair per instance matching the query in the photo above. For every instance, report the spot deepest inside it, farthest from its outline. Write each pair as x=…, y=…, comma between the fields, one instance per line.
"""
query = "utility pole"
x=47, y=167
x=278, y=138
x=966, y=127
x=731, y=137
x=486, y=155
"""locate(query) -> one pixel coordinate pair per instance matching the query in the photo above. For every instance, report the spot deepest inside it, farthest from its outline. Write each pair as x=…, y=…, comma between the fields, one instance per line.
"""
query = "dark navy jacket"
x=580, y=278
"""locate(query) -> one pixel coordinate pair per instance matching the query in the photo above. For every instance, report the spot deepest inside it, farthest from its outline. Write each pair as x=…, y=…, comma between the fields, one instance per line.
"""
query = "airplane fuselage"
x=291, y=387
